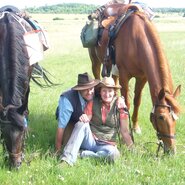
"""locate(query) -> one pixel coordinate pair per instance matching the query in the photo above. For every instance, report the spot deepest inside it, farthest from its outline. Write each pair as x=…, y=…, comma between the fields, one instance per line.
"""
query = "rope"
x=117, y=121
x=130, y=126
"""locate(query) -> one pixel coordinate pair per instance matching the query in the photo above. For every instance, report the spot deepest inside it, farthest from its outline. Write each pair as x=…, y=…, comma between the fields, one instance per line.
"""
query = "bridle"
x=153, y=119
x=15, y=155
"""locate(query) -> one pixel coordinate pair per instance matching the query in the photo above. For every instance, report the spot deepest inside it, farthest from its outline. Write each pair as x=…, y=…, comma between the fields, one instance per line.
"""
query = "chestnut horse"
x=15, y=74
x=138, y=53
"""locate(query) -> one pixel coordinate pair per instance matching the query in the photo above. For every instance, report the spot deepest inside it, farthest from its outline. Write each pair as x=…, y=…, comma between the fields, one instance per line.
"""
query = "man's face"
x=87, y=94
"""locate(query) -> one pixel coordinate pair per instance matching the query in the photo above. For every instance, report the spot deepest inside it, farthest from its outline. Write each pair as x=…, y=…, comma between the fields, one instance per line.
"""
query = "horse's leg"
x=96, y=64
x=125, y=88
x=137, y=101
x=115, y=74
x=116, y=79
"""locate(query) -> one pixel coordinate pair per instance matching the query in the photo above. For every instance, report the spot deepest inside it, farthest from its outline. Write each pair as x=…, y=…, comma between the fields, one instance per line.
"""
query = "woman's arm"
x=124, y=129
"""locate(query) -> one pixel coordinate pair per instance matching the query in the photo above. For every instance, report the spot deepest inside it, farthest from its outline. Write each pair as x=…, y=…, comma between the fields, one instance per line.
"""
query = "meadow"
x=65, y=59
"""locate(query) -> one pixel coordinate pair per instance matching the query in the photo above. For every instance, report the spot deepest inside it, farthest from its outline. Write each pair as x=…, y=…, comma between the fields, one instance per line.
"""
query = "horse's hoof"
x=137, y=130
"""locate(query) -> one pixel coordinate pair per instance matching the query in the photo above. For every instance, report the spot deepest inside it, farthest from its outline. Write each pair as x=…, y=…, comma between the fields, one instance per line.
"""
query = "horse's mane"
x=14, y=61
x=164, y=70
x=163, y=66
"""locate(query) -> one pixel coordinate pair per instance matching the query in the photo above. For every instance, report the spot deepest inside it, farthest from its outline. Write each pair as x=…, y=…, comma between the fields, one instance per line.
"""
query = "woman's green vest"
x=104, y=131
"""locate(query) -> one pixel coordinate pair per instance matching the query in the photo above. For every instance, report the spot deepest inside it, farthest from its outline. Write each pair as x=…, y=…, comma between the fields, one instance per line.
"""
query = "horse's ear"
x=177, y=91
x=161, y=94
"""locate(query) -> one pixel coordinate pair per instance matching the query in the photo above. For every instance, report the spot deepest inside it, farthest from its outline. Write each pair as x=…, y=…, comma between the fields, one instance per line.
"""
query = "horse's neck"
x=157, y=80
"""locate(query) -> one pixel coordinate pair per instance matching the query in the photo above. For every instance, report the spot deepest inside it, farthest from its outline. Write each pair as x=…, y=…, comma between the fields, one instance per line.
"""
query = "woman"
x=96, y=131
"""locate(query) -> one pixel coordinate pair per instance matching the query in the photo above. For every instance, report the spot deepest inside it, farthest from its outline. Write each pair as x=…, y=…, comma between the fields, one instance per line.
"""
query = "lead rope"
x=130, y=126
x=117, y=120
x=160, y=145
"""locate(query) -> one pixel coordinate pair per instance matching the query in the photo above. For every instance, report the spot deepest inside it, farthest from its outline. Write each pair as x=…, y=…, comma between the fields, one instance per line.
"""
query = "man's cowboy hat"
x=108, y=82
x=85, y=82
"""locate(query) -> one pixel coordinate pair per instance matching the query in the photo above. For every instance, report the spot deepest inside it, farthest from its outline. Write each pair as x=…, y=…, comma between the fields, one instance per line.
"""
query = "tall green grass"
x=64, y=60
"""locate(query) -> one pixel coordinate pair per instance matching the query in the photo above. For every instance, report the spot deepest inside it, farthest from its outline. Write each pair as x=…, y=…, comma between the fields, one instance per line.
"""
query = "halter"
x=15, y=155
x=153, y=117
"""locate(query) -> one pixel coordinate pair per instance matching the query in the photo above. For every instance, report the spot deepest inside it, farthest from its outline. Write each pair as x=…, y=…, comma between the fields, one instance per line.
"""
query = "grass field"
x=64, y=60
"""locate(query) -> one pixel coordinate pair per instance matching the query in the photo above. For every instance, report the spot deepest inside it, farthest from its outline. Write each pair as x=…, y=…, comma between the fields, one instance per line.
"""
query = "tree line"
x=76, y=8
x=65, y=8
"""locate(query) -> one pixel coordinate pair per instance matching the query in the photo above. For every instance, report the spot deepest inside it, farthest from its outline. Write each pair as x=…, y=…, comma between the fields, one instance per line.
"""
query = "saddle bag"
x=89, y=34
x=42, y=33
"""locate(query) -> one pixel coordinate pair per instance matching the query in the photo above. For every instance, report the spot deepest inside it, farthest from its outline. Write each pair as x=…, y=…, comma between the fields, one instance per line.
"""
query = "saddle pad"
x=34, y=47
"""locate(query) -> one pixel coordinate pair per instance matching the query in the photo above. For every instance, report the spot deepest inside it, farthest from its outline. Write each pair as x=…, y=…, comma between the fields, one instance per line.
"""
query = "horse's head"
x=13, y=131
x=163, y=118
x=106, y=70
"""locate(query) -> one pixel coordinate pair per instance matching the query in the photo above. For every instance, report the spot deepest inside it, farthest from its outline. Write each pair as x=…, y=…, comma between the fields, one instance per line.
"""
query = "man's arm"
x=59, y=137
x=65, y=111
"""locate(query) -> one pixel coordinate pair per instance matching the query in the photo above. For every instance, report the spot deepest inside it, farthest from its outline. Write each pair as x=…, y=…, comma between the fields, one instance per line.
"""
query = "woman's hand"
x=84, y=118
x=121, y=103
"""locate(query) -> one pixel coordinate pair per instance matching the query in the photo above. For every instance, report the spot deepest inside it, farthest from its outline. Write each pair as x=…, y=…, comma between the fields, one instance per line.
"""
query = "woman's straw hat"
x=108, y=82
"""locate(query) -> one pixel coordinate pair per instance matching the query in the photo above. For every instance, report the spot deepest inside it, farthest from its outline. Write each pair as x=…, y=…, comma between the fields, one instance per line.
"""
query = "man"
x=71, y=106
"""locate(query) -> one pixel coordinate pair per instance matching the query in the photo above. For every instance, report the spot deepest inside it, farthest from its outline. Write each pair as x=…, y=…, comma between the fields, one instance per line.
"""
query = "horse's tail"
x=40, y=76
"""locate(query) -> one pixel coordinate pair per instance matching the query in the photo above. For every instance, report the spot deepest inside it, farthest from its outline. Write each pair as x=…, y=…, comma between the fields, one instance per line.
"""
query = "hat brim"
x=85, y=87
x=108, y=86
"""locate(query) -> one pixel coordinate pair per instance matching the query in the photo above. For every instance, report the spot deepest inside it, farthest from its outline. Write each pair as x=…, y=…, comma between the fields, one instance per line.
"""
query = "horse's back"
x=14, y=61
x=135, y=45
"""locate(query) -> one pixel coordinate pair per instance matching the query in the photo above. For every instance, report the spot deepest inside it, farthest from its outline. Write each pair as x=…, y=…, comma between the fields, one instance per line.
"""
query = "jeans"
x=82, y=137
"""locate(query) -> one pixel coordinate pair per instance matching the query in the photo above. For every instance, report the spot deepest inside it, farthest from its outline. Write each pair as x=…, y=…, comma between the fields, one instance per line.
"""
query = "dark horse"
x=138, y=53
x=15, y=74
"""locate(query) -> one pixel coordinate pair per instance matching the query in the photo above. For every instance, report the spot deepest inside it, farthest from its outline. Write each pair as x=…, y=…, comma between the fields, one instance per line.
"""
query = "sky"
x=36, y=3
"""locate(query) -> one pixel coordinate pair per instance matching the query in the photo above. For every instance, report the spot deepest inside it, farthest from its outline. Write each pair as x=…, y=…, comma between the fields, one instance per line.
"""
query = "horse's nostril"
x=18, y=164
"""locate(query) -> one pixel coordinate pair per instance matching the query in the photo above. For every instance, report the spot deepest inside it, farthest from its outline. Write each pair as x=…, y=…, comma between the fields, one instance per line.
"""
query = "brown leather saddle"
x=115, y=11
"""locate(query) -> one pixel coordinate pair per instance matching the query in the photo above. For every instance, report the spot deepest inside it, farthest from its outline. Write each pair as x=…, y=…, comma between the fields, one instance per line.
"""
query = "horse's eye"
x=161, y=118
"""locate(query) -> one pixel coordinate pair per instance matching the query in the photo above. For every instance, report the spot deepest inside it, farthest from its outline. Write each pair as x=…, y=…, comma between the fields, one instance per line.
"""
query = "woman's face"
x=107, y=94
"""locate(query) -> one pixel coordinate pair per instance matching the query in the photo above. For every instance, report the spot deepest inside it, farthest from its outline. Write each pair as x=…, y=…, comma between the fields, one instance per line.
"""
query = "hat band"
x=85, y=84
